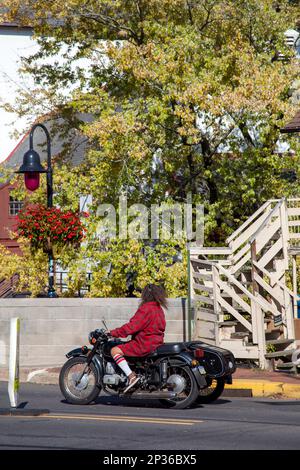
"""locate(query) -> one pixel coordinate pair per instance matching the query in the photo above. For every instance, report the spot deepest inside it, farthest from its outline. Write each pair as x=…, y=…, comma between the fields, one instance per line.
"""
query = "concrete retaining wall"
x=51, y=327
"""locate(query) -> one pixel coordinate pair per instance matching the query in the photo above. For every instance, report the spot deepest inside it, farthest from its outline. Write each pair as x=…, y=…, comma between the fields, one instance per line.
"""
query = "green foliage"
x=187, y=97
x=32, y=268
x=133, y=261
x=270, y=348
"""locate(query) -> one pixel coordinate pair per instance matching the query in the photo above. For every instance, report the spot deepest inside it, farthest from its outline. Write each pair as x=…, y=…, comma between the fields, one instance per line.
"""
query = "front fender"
x=74, y=353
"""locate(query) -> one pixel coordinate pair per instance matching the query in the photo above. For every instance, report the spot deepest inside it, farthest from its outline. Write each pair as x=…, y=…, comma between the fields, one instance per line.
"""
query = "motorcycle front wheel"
x=78, y=392
x=212, y=392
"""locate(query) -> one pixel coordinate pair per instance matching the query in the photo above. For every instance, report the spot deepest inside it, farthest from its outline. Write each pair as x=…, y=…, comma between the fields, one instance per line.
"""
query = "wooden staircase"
x=7, y=286
x=239, y=293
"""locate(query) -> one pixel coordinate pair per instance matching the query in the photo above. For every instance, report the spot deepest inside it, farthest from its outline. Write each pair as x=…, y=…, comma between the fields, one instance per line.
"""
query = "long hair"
x=154, y=293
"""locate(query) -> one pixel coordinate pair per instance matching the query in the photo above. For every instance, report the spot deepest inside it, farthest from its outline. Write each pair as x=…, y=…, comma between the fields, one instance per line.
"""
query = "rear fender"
x=186, y=358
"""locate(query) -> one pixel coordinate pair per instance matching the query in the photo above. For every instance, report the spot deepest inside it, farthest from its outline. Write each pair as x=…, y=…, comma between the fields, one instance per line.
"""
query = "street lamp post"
x=31, y=168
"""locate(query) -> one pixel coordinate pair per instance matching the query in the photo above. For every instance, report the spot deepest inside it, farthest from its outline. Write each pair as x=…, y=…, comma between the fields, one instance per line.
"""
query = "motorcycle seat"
x=163, y=350
x=169, y=348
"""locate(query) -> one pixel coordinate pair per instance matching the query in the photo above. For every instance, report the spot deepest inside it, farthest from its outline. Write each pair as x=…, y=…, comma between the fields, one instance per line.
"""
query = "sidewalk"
x=39, y=375
x=246, y=382
x=260, y=383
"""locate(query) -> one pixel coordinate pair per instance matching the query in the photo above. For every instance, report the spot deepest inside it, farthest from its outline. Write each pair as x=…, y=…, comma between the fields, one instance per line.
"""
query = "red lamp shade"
x=32, y=180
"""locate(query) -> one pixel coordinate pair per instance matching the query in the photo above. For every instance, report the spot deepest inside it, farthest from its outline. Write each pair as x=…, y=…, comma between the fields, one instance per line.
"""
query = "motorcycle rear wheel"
x=212, y=392
x=86, y=390
x=190, y=392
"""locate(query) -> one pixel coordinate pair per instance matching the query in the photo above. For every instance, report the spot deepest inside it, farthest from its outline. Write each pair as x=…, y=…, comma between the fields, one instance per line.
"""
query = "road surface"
x=113, y=423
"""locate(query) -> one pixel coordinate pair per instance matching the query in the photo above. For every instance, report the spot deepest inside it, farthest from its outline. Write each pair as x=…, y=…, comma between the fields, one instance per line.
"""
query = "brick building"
x=9, y=208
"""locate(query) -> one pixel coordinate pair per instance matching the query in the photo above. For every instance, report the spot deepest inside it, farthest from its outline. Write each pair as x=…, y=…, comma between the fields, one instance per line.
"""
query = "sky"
x=13, y=45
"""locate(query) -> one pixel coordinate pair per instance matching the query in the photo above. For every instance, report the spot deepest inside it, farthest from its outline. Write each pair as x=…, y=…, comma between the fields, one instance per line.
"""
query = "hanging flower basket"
x=46, y=227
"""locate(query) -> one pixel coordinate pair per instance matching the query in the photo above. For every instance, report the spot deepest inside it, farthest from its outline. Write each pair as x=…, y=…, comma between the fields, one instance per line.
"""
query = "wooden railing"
x=7, y=285
x=258, y=256
x=293, y=212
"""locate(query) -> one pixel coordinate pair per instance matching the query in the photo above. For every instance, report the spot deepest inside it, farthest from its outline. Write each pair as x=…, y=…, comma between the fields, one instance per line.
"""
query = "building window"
x=14, y=206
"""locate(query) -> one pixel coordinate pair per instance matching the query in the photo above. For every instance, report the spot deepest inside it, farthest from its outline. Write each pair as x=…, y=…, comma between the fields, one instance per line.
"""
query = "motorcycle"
x=171, y=374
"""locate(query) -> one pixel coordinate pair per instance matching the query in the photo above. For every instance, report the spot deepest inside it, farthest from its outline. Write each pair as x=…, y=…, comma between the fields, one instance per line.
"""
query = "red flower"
x=37, y=221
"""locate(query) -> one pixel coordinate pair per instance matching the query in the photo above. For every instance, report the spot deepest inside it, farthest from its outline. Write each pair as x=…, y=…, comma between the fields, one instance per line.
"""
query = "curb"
x=266, y=388
x=43, y=376
x=240, y=387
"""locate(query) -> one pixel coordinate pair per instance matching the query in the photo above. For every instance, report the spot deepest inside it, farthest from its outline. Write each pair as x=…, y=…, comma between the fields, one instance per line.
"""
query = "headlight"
x=230, y=365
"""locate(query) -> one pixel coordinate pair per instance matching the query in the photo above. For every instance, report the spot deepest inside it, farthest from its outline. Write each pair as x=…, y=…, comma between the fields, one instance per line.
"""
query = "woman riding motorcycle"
x=147, y=328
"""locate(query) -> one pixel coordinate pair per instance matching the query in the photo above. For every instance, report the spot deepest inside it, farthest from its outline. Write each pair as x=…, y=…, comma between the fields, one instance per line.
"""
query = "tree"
x=186, y=97
x=31, y=269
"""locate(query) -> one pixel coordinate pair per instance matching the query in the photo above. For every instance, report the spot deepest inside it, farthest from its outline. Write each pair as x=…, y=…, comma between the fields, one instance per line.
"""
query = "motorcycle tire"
x=88, y=396
x=210, y=394
x=192, y=396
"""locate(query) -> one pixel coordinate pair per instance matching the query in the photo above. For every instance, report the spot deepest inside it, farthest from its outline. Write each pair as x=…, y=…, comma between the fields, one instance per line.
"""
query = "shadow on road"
x=117, y=401
x=276, y=402
x=220, y=401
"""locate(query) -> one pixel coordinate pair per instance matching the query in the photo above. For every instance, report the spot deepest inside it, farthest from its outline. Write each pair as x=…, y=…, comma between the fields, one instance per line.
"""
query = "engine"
x=111, y=376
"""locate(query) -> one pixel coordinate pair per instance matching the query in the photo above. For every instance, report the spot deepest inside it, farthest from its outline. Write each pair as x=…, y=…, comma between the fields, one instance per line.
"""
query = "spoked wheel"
x=182, y=381
x=76, y=391
x=212, y=392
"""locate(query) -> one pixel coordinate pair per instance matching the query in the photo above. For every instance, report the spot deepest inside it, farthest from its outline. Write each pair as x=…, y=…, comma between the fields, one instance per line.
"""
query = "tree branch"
x=189, y=7
x=141, y=17
x=109, y=21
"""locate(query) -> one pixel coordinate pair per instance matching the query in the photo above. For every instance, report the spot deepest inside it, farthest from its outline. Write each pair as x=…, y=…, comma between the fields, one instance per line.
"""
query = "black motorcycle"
x=172, y=373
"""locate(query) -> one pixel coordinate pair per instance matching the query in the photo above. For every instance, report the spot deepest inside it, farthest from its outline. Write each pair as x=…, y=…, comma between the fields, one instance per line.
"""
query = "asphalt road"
x=111, y=423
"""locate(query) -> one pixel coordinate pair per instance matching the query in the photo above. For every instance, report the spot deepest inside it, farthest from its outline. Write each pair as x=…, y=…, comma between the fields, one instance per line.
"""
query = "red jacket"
x=147, y=328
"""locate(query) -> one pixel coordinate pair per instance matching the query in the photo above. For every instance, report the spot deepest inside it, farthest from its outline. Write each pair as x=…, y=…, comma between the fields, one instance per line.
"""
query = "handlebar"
x=96, y=334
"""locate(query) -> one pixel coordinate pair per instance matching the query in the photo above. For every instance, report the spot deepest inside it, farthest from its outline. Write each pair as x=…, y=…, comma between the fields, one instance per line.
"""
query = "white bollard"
x=13, y=380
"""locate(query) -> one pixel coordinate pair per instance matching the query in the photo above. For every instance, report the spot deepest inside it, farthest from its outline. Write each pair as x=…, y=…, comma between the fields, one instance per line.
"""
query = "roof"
x=6, y=24
x=76, y=142
x=293, y=126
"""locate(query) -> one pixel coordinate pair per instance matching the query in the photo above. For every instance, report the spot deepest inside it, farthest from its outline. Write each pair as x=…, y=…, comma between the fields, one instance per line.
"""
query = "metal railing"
x=61, y=283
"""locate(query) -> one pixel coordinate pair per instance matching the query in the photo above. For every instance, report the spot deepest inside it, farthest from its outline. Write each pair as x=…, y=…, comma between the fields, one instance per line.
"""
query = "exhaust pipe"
x=151, y=395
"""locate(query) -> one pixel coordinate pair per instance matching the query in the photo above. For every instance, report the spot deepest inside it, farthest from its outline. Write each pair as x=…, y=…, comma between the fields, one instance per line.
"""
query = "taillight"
x=198, y=353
